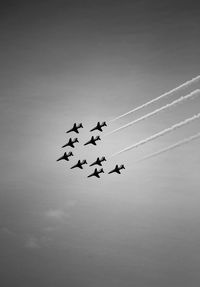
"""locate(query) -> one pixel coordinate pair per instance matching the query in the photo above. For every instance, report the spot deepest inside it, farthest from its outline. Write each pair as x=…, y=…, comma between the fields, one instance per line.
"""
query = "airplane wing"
x=97, y=175
x=90, y=175
x=94, y=143
x=118, y=171
x=80, y=166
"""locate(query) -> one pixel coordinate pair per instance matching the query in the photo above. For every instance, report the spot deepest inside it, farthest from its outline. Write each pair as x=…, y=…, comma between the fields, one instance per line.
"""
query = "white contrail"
x=161, y=133
x=180, y=143
x=184, y=85
x=181, y=99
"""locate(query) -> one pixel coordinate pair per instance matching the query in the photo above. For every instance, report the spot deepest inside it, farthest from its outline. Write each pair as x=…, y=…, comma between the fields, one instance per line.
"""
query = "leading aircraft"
x=96, y=173
x=98, y=161
x=65, y=156
x=79, y=164
x=75, y=128
x=93, y=140
x=71, y=142
x=99, y=126
x=117, y=169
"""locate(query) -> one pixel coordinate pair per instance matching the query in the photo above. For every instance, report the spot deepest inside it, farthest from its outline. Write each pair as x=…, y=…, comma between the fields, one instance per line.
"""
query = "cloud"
x=32, y=242
x=60, y=214
x=56, y=214
x=35, y=242
x=71, y=203
x=7, y=231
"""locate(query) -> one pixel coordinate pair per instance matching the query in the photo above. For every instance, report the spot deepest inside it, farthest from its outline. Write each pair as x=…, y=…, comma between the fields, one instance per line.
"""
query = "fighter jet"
x=71, y=142
x=79, y=164
x=93, y=140
x=117, y=169
x=98, y=161
x=96, y=173
x=99, y=126
x=75, y=128
x=65, y=156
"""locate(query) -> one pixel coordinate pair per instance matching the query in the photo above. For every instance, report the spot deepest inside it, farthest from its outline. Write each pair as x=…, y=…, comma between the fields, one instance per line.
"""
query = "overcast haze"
x=84, y=61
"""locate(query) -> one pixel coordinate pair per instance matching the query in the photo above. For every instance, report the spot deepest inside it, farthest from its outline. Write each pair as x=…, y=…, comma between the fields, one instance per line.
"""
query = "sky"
x=87, y=61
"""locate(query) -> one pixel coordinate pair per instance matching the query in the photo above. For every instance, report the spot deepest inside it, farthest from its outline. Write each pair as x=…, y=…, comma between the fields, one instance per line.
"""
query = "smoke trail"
x=163, y=132
x=181, y=99
x=180, y=143
x=184, y=85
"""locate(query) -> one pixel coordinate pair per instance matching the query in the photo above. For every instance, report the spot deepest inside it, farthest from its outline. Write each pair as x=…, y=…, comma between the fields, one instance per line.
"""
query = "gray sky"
x=83, y=61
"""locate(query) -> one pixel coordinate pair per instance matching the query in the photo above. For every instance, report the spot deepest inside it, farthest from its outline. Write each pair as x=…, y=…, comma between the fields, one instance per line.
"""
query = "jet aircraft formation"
x=99, y=127
x=93, y=141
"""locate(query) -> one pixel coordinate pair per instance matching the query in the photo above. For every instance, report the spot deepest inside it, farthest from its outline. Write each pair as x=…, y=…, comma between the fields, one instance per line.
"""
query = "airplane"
x=96, y=173
x=98, y=161
x=117, y=169
x=99, y=126
x=75, y=128
x=79, y=164
x=93, y=140
x=65, y=156
x=71, y=142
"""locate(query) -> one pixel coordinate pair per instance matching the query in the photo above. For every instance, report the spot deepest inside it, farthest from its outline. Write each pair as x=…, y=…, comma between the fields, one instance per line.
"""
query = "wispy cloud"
x=32, y=242
x=7, y=231
x=57, y=214
x=35, y=242
x=60, y=214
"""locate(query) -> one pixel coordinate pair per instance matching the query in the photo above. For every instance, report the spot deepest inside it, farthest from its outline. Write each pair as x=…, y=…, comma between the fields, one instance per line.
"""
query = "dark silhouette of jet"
x=79, y=164
x=71, y=142
x=75, y=128
x=99, y=126
x=93, y=140
x=96, y=173
x=65, y=156
x=117, y=169
x=98, y=161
